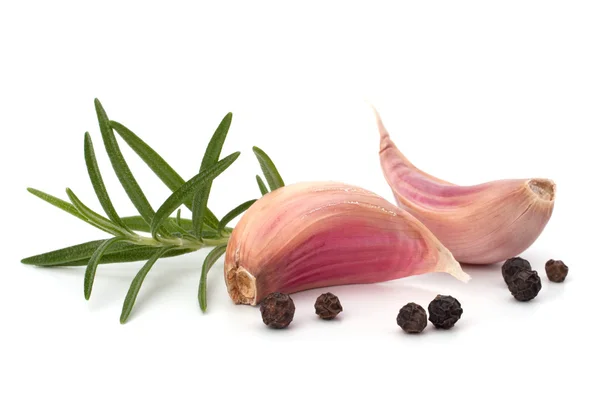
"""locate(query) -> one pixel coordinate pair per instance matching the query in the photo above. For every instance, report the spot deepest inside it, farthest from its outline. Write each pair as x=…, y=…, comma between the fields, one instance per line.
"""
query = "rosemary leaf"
x=64, y=255
x=178, y=197
x=76, y=253
x=90, y=272
x=98, y=183
x=138, y=253
x=209, y=261
x=159, y=166
x=94, y=218
x=130, y=185
x=234, y=213
x=136, y=284
x=268, y=168
x=61, y=204
x=261, y=185
x=211, y=156
x=178, y=217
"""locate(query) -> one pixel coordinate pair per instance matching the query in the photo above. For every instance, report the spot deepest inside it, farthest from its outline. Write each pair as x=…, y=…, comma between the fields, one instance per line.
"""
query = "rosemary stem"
x=180, y=242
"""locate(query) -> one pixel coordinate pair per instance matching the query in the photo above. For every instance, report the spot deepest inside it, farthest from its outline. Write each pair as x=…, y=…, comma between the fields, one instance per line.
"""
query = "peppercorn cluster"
x=524, y=283
x=278, y=309
x=444, y=312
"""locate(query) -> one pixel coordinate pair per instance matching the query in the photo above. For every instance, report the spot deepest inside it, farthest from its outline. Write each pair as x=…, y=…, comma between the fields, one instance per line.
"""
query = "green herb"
x=169, y=236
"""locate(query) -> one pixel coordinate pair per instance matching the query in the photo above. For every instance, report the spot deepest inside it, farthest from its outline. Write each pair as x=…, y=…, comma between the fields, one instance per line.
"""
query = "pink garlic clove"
x=479, y=224
x=319, y=234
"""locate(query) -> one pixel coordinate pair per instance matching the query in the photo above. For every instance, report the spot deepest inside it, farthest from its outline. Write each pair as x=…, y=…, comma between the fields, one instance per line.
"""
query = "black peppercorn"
x=412, y=318
x=525, y=285
x=512, y=266
x=556, y=271
x=277, y=310
x=444, y=311
x=328, y=306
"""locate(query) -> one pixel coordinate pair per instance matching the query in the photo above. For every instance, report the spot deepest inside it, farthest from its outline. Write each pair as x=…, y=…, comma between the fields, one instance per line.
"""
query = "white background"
x=470, y=91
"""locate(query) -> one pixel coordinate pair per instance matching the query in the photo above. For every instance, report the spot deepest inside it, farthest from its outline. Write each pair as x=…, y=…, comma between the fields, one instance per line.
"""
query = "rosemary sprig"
x=169, y=236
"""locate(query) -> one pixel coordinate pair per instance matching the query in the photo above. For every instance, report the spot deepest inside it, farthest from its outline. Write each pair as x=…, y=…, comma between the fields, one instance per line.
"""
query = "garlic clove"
x=319, y=234
x=480, y=224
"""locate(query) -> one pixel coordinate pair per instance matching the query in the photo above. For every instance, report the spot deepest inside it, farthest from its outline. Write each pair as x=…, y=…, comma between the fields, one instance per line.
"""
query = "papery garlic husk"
x=319, y=234
x=480, y=224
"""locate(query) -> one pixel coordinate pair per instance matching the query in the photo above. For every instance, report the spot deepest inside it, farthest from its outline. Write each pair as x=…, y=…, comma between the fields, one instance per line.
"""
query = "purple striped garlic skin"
x=480, y=224
x=319, y=234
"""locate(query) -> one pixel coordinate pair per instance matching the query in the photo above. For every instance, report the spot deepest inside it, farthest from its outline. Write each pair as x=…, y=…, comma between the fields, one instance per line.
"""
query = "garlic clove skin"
x=319, y=234
x=480, y=224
